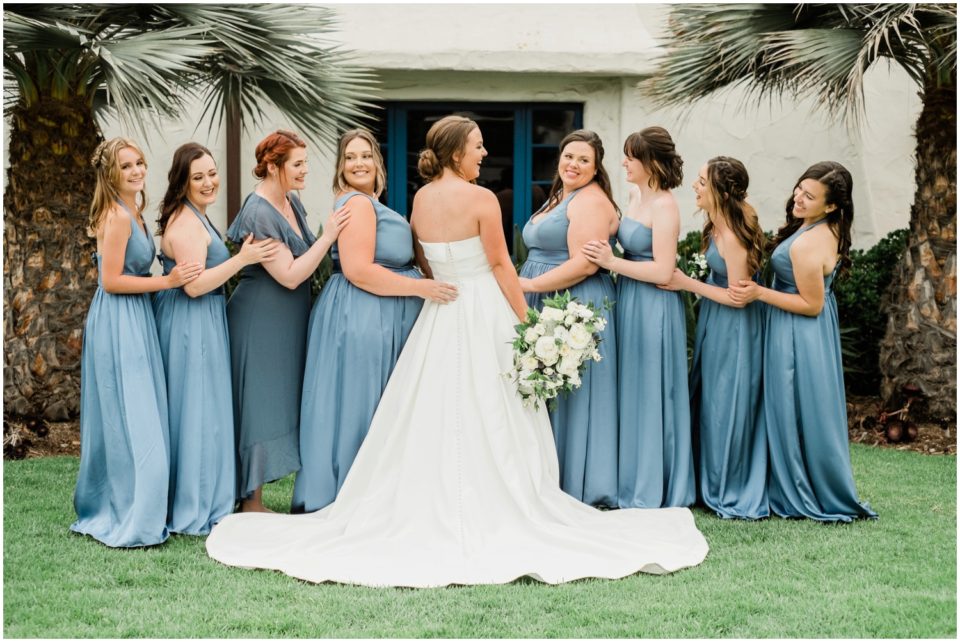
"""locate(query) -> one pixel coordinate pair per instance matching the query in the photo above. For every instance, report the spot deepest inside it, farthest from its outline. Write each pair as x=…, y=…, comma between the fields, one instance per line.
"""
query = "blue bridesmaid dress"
x=585, y=421
x=726, y=403
x=354, y=341
x=268, y=343
x=656, y=454
x=805, y=408
x=196, y=356
x=121, y=495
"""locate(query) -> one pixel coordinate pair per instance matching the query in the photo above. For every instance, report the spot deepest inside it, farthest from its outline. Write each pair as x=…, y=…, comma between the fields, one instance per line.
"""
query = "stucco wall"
x=594, y=54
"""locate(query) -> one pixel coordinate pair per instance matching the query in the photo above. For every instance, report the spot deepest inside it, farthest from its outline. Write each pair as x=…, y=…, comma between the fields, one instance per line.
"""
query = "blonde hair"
x=339, y=183
x=446, y=138
x=107, y=167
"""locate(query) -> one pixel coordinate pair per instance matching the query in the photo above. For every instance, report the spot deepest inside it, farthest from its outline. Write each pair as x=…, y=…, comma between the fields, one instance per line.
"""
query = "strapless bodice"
x=456, y=260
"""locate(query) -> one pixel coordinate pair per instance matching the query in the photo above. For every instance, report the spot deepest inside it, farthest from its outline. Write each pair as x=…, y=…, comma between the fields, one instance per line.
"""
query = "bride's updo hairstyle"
x=446, y=139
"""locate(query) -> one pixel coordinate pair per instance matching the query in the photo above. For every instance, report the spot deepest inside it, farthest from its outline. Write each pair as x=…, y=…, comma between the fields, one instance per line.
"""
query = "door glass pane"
x=551, y=125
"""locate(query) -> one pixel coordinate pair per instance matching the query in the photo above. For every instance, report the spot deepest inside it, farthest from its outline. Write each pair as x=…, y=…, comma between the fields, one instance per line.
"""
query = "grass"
x=892, y=578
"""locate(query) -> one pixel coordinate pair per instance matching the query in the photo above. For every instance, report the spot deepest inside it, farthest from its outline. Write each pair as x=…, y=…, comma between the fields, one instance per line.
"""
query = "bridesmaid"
x=728, y=357
x=192, y=328
x=656, y=454
x=358, y=325
x=580, y=207
x=121, y=495
x=804, y=404
x=267, y=317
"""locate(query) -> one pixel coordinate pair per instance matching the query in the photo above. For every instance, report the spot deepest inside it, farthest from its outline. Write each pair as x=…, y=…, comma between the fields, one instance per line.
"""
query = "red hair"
x=275, y=149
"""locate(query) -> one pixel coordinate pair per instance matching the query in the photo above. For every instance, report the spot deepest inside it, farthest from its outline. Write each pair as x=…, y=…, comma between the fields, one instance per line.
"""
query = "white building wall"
x=596, y=54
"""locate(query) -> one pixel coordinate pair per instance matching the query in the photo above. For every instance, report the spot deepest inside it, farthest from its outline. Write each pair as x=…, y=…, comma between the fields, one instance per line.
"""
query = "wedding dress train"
x=457, y=482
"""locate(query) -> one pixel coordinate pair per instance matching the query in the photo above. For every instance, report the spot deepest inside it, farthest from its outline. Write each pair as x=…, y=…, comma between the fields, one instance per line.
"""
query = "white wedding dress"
x=457, y=482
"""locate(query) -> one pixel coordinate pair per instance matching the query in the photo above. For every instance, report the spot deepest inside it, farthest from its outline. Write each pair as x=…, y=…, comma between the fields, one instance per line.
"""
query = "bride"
x=457, y=482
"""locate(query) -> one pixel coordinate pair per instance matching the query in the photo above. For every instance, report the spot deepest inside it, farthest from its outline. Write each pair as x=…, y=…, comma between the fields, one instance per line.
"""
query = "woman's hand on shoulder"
x=253, y=251
x=336, y=223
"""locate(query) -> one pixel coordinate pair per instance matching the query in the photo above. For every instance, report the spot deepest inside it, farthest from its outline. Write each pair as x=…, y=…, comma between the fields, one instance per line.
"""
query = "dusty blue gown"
x=354, y=341
x=656, y=453
x=584, y=422
x=121, y=494
x=268, y=342
x=725, y=402
x=196, y=357
x=804, y=406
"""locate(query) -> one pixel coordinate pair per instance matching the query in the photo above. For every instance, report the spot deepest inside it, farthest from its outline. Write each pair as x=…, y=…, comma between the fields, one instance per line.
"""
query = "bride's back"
x=447, y=210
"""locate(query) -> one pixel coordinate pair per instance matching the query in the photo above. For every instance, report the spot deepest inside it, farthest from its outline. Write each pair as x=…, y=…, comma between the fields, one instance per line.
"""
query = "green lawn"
x=895, y=577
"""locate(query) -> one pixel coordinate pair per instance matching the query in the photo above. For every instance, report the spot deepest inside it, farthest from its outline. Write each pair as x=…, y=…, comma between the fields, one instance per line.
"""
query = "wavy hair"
x=106, y=165
x=275, y=149
x=178, y=182
x=339, y=182
x=601, y=178
x=839, y=192
x=655, y=150
x=727, y=180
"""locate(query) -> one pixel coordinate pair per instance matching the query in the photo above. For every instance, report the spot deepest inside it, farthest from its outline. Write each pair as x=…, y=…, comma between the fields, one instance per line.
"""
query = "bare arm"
x=113, y=247
x=659, y=271
x=290, y=272
x=358, y=245
x=589, y=219
x=736, y=262
x=188, y=240
x=808, y=268
x=495, y=247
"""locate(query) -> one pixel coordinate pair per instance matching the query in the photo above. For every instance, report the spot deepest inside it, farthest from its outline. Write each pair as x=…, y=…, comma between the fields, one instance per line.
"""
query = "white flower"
x=600, y=324
x=568, y=366
x=546, y=350
x=548, y=371
x=585, y=313
x=561, y=333
x=529, y=362
x=551, y=314
x=595, y=355
x=580, y=337
x=530, y=335
x=575, y=380
x=524, y=386
x=539, y=329
x=569, y=319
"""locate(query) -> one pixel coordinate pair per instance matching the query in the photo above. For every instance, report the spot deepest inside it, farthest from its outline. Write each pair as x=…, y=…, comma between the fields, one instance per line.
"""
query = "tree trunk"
x=918, y=351
x=48, y=272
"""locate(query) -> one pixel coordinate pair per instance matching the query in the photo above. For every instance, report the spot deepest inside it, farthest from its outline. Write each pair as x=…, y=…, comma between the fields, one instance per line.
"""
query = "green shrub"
x=858, y=303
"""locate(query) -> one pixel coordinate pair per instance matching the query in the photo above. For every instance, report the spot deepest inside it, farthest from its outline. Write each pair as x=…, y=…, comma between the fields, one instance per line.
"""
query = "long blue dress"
x=353, y=344
x=725, y=402
x=121, y=495
x=196, y=357
x=268, y=343
x=585, y=421
x=805, y=407
x=656, y=453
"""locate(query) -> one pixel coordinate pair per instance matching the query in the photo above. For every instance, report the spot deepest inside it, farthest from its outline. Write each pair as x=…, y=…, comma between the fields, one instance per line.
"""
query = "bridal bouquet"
x=553, y=346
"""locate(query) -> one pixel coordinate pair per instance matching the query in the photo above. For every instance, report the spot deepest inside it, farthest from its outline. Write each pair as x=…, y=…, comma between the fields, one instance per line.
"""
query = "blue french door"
x=522, y=140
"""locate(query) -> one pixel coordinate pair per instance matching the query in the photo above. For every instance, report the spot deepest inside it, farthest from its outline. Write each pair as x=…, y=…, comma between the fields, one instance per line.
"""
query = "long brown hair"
x=107, y=167
x=601, y=178
x=446, y=139
x=839, y=192
x=339, y=184
x=727, y=180
x=178, y=182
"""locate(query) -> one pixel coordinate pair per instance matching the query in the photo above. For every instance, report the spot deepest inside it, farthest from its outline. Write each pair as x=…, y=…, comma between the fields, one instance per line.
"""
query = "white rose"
x=539, y=329
x=524, y=387
x=568, y=366
x=585, y=313
x=548, y=371
x=580, y=337
x=530, y=335
x=551, y=314
x=569, y=319
x=561, y=333
x=546, y=350
x=529, y=363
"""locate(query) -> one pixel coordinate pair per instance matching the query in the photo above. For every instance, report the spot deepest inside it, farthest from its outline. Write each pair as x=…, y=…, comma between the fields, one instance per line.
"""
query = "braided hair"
x=727, y=180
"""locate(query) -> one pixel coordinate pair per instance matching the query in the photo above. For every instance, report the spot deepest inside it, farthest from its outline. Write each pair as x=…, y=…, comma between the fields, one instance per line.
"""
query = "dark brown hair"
x=178, y=182
x=654, y=148
x=601, y=178
x=839, y=192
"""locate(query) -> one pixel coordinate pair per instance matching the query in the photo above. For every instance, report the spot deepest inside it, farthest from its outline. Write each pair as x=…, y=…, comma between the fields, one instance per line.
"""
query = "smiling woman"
x=121, y=495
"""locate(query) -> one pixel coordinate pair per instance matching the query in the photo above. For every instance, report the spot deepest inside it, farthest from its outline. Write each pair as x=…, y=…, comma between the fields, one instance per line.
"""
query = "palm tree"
x=824, y=51
x=66, y=66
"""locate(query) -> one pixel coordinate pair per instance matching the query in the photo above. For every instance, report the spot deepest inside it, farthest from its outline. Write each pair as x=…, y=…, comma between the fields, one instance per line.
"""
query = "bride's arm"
x=495, y=246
